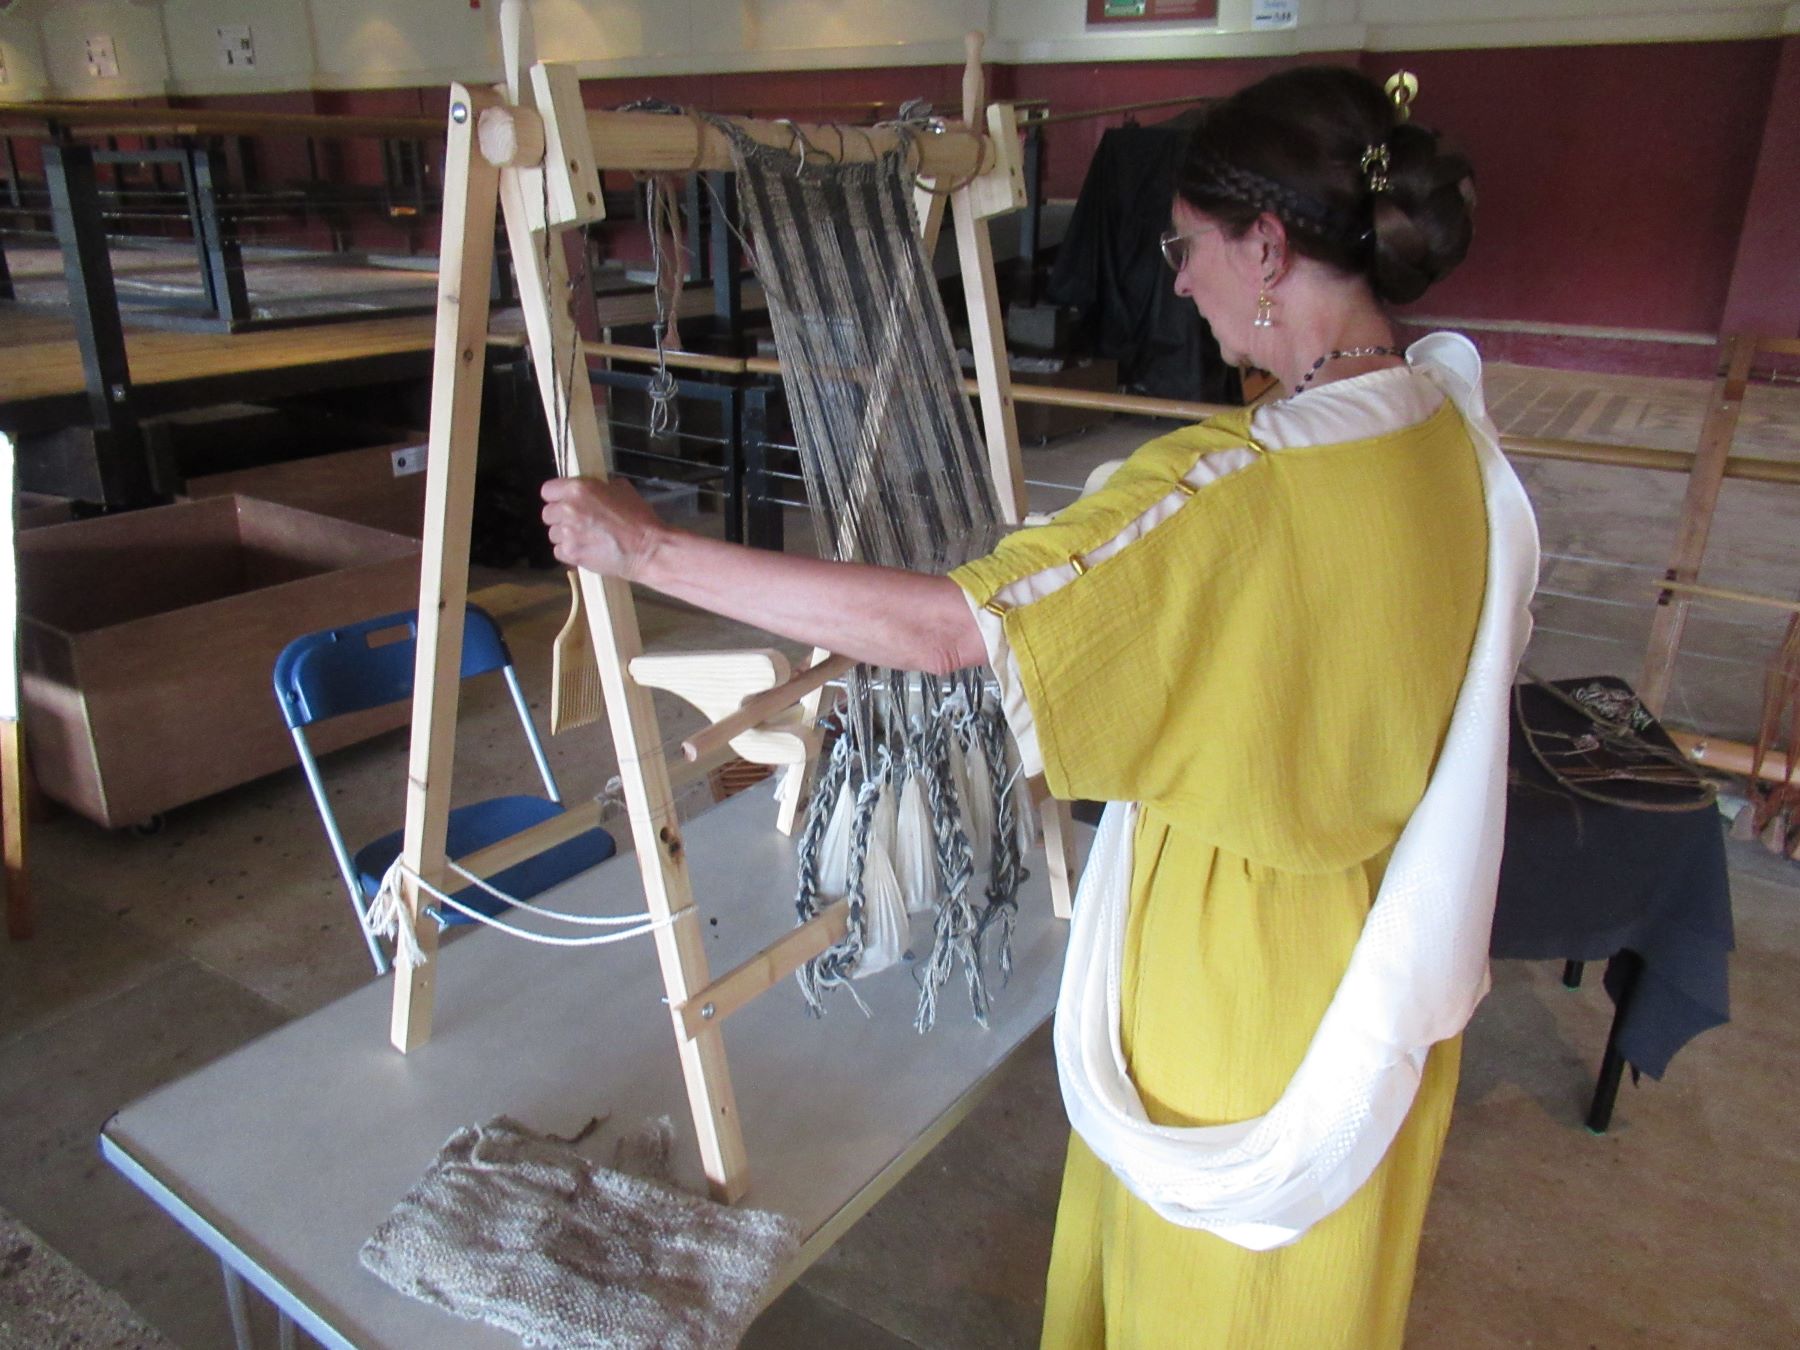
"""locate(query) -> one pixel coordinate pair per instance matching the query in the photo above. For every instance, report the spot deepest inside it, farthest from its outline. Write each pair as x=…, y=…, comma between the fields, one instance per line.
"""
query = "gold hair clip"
x=1402, y=87
x=1375, y=167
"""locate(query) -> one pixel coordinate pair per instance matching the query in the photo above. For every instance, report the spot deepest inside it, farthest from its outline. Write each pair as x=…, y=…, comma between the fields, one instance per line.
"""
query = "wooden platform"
x=41, y=384
x=41, y=380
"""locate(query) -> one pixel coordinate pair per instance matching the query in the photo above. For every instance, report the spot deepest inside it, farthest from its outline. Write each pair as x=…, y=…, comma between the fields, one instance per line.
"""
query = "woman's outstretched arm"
x=882, y=615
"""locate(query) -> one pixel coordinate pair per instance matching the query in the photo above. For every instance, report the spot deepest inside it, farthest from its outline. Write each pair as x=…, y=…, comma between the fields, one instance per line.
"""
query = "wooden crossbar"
x=759, y=709
x=647, y=142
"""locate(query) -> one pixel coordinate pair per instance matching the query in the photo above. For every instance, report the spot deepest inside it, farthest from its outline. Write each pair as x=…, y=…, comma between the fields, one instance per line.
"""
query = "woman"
x=1258, y=630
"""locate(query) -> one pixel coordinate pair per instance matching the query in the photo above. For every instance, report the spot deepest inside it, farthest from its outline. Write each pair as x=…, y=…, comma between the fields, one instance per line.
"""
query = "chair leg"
x=1572, y=974
x=1612, y=1063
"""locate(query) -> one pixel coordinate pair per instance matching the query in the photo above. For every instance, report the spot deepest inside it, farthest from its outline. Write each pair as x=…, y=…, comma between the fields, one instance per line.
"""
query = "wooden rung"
x=531, y=841
x=761, y=708
x=536, y=839
x=777, y=961
x=1720, y=593
x=719, y=682
x=1709, y=752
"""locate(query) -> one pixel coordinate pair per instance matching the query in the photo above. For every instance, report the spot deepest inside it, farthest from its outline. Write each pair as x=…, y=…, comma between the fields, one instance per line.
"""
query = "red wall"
x=1068, y=146
x=1613, y=181
x=1765, y=284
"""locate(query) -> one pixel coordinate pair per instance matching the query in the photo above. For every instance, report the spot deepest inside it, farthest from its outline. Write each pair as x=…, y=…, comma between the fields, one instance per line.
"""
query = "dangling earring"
x=1265, y=309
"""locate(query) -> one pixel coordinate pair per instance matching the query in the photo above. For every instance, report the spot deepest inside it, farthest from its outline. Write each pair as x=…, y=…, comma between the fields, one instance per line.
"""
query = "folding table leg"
x=1572, y=974
x=1612, y=1063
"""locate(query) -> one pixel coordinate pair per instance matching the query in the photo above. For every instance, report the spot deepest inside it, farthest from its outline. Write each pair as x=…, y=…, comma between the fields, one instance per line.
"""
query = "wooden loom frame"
x=532, y=146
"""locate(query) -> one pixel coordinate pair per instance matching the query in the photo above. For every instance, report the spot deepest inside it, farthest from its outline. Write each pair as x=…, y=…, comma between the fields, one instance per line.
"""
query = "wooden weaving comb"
x=576, y=697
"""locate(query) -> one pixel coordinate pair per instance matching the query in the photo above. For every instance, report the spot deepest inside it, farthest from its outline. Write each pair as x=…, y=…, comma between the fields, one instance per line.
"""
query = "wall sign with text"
x=1151, y=11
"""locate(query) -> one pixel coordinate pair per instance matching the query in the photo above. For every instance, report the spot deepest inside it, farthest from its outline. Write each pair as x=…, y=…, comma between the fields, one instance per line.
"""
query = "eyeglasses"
x=1174, y=245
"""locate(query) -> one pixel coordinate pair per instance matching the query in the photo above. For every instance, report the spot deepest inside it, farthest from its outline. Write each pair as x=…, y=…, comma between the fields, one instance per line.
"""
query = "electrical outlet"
x=409, y=460
x=102, y=59
x=237, y=51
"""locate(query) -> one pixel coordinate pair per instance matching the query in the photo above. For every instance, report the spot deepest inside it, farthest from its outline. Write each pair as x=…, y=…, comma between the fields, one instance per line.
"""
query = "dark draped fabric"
x=1110, y=269
x=1583, y=880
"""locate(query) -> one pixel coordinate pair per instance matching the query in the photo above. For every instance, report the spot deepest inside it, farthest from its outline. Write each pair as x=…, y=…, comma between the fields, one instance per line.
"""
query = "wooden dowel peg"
x=760, y=709
x=511, y=138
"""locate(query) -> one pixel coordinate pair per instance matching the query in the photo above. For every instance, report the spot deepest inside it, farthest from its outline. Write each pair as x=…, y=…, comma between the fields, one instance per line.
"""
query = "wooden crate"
x=148, y=639
x=1040, y=422
x=382, y=486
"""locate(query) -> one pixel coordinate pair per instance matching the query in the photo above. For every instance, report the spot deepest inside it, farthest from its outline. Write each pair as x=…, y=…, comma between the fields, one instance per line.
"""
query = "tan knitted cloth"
x=520, y=1231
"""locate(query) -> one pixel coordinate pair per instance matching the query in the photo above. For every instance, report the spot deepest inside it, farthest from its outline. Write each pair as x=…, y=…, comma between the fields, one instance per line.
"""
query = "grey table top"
x=285, y=1155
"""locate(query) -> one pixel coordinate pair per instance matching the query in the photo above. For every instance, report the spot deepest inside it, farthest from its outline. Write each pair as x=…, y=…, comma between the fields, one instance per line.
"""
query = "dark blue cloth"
x=1110, y=268
x=1583, y=880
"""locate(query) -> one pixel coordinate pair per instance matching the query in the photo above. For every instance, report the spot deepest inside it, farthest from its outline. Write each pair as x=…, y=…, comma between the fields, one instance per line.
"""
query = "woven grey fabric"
x=520, y=1231
x=897, y=475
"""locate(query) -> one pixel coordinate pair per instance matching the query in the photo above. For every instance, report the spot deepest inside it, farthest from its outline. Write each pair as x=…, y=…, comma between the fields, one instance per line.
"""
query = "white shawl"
x=1414, y=978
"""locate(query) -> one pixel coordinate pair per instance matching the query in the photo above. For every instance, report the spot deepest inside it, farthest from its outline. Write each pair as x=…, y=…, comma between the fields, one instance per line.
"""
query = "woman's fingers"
x=604, y=527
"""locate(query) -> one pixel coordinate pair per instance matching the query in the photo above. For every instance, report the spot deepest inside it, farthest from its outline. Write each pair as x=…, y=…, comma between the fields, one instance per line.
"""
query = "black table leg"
x=1612, y=1063
x=1572, y=974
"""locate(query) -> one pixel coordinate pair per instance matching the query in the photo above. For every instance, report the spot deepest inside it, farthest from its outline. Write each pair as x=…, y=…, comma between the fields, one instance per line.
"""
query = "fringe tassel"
x=389, y=918
x=871, y=811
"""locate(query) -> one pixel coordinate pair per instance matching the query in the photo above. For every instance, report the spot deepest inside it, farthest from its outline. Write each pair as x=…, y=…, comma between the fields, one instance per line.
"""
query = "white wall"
x=137, y=35
x=22, y=53
x=372, y=43
x=281, y=31
x=1396, y=24
x=168, y=46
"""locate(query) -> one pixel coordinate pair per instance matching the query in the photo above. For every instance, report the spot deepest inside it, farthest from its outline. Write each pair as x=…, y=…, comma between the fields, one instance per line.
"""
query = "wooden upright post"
x=1696, y=521
x=20, y=913
x=970, y=205
x=987, y=325
x=465, y=260
x=567, y=393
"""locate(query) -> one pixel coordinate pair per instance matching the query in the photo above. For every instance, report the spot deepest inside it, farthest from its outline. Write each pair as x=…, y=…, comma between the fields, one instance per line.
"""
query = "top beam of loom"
x=647, y=142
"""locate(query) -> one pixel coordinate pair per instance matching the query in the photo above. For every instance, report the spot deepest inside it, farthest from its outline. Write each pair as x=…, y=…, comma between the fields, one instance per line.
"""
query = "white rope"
x=579, y=920
x=389, y=917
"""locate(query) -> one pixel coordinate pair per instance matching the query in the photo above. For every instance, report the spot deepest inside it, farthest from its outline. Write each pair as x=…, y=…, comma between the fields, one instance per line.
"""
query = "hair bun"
x=1424, y=219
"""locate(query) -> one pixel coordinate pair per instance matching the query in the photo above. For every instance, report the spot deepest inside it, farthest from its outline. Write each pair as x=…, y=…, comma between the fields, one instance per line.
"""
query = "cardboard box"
x=382, y=486
x=147, y=642
x=1040, y=422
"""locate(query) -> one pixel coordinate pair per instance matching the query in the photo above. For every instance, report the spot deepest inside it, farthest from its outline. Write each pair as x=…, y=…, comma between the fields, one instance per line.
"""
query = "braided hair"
x=1294, y=146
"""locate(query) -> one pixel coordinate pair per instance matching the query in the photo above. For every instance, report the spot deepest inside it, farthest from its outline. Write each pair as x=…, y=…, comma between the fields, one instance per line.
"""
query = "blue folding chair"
x=370, y=664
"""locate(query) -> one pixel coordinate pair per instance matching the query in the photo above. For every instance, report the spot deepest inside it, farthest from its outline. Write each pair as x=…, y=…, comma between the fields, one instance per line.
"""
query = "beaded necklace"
x=1329, y=357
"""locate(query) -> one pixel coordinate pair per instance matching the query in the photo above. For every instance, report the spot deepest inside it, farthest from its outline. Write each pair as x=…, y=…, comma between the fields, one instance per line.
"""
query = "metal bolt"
x=118, y=393
x=708, y=1011
x=459, y=113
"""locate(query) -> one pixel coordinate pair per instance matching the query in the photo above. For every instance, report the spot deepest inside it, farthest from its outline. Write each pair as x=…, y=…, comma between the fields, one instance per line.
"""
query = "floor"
x=156, y=954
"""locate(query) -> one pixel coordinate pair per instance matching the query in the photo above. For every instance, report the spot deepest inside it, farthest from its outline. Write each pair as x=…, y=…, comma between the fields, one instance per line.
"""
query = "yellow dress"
x=1268, y=665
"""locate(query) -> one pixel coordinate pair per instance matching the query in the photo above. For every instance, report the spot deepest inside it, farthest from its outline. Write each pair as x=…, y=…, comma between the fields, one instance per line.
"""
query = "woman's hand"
x=603, y=527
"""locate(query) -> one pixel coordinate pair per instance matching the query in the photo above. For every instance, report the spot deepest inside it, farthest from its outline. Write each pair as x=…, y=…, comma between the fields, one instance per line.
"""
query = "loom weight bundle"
x=540, y=158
